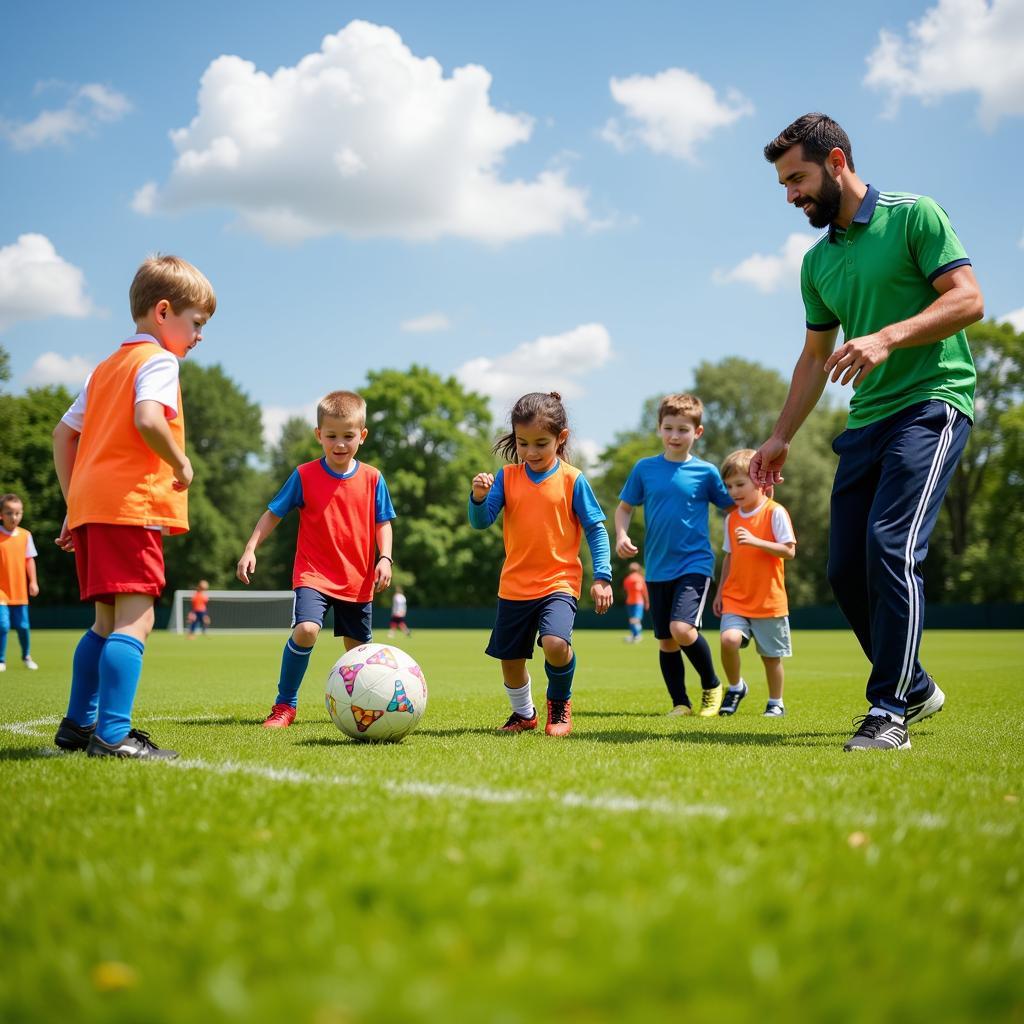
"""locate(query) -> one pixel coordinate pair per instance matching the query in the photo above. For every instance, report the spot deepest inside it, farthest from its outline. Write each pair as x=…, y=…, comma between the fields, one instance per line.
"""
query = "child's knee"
x=305, y=633
x=684, y=633
x=556, y=650
x=732, y=639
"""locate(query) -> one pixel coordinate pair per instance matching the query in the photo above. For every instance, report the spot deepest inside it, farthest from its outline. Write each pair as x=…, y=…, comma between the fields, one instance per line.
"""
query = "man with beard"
x=892, y=273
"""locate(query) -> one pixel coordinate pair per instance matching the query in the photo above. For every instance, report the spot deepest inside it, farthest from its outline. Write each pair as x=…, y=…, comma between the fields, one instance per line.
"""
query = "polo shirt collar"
x=864, y=213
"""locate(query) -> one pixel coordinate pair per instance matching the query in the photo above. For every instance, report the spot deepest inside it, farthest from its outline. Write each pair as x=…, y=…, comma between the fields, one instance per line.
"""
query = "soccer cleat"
x=559, y=718
x=280, y=717
x=878, y=732
x=518, y=723
x=136, y=745
x=679, y=711
x=72, y=736
x=711, y=702
x=774, y=711
x=731, y=700
x=931, y=705
x=29, y=663
x=3, y=666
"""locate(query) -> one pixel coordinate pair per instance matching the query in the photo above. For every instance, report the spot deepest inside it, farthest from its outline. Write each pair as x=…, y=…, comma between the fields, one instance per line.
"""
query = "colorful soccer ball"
x=376, y=692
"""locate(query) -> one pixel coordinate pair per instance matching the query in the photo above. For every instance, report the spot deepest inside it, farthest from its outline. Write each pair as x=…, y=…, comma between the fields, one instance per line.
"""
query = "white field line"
x=39, y=726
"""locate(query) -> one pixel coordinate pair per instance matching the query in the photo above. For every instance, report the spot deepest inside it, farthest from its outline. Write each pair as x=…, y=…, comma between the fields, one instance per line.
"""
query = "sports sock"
x=741, y=685
x=887, y=714
x=3, y=644
x=25, y=639
x=699, y=656
x=634, y=628
x=85, y=679
x=772, y=701
x=120, y=666
x=560, y=679
x=521, y=699
x=673, y=671
x=294, y=662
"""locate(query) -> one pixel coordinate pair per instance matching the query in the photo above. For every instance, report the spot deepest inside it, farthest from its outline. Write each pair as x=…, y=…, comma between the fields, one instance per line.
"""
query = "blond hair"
x=737, y=463
x=689, y=406
x=174, y=279
x=342, y=405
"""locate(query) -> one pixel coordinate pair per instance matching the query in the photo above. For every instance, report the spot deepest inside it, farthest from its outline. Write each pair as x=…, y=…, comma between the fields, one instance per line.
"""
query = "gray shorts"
x=771, y=636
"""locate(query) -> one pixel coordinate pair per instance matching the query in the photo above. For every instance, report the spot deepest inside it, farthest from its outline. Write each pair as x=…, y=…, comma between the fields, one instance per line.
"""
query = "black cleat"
x=72, y=736
x=878, y=732
x=136, y=745
x=731, y=700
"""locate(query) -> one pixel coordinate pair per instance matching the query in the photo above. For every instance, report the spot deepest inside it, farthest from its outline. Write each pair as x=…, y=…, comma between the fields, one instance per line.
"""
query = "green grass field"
x=645, y=869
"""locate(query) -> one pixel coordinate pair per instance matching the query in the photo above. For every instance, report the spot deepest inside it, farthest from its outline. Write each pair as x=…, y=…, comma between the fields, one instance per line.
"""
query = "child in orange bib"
x=17, y=579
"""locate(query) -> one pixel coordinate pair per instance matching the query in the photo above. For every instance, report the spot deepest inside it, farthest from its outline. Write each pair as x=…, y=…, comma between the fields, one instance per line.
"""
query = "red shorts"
x=118, y=560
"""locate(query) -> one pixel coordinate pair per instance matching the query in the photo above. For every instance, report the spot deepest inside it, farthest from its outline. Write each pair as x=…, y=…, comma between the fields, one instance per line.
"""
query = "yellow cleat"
x=710, y=702
x=679, y=711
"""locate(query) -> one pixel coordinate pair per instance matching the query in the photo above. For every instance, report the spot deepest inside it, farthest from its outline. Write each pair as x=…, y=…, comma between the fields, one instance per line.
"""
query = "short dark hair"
x=817, y=133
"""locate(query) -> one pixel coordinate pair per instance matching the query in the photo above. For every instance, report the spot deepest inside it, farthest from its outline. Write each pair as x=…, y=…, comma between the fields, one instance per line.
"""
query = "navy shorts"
x=519, y=623
x=678, y=600
x=350, y=617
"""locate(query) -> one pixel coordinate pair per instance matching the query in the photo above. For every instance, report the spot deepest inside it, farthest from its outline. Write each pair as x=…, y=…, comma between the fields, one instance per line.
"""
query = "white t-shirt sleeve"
x=726, y=542
x=30, y=550
x=782, y=528
x=157, y=381
x=75, y=416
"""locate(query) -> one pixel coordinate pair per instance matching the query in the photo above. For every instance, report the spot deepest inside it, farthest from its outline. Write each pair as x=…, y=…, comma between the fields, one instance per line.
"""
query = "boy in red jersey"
x=345, y=512
x=119, y=452
x=17, y=579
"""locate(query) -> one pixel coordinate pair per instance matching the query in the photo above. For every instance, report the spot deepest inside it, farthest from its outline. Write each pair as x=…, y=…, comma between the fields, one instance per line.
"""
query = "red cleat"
x=559, y=718
x=280, y=717
x=516, y=723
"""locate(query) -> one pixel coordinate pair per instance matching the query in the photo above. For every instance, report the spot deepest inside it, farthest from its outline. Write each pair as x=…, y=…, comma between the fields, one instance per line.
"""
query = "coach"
x=892, y=273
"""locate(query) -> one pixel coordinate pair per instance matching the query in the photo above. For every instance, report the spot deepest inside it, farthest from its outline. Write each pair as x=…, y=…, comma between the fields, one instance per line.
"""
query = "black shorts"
x=518, y=623
x=350, y=617
x=678, y=600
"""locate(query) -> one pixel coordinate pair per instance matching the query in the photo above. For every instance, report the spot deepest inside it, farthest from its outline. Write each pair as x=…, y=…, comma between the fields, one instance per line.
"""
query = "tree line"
x=429, y=436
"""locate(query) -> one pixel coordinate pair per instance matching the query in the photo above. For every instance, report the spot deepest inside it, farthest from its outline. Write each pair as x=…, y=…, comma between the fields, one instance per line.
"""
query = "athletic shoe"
x=679, y=711
x=280, y=717
x=878, y=732
x=711, y=702
x=519, y=723
x=559, y=718
x=774, y=711
x=731, y=700
x=3, y=666
x=931, y=705
x=29, y=663
x=72, y=736
x=136, y=745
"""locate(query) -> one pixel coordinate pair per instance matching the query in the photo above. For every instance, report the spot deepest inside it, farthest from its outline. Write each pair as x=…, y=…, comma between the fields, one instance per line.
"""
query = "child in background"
x=548, y=506
x=751, y=596
x=345, y=512
x=676, y=489
x=399, y=610
x=17, y=579
x=119, y=452
x=199, y=617
x=637, y=602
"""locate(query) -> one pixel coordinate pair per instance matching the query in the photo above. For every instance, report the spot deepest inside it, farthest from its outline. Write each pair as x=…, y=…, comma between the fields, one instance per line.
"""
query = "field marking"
x=36, y=726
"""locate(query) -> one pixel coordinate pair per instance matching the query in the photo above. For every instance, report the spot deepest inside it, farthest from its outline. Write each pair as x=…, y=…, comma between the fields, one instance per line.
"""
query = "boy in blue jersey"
x=676, y=489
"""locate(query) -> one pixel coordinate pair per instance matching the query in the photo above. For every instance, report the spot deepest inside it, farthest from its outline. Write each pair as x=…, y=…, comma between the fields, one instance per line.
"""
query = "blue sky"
x=530, y=196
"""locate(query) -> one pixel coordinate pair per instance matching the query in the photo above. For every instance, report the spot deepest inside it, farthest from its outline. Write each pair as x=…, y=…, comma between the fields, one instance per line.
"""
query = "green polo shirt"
x=880, y=271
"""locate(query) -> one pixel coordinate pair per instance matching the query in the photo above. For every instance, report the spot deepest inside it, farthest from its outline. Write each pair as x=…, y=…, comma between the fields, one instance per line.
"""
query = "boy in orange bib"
x=17, y=579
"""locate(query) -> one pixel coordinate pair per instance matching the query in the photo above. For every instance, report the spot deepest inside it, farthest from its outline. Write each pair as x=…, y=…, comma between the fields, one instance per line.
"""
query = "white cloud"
x=770, y=273
x=585, y=452
x=276, y=416
x=52, y=368
x=36, y=283
x=671, y=112
x=87, y=108
x=426, y=324
x=364, y=138
x=957, y=46
x=1015, y=319
x=548, y=363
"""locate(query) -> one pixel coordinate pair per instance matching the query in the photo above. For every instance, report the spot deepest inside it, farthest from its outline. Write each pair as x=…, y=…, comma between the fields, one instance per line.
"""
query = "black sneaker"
x=136, y=745
x=72, y=736
x=878, y=732
x=931, y=705
x=731, y=700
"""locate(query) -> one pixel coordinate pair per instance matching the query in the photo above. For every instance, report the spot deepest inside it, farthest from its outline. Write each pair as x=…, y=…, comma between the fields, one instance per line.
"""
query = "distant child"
x=199, y=616
x=676, y=489
x=637, y=602
x=345, y=515
x=17, y=579
x=120, y=457
x=399, y=611
x=548, y=507
x=751, y=596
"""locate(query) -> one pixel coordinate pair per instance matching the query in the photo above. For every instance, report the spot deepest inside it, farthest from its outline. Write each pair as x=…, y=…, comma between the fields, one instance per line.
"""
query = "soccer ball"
x=376, y=692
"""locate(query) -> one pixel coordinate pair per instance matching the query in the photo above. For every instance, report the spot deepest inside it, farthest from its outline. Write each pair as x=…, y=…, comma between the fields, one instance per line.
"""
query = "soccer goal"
x=237, y=611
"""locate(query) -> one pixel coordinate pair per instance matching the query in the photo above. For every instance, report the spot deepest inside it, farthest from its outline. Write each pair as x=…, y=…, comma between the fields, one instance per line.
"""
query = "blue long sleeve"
x=483, y=513
x=600, y=550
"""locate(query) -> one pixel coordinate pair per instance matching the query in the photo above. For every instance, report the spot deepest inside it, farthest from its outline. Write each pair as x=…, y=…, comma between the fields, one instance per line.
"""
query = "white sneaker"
x=931, y=706
x=29, y=663
x=3, y=666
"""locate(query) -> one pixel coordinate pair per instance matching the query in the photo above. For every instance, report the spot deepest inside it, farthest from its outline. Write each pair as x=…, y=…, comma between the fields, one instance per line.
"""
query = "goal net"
x=237, y=611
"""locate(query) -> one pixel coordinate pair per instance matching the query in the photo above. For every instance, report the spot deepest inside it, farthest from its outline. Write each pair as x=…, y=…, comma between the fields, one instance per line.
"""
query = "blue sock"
x=635, y=627
x=560, y=679
x=85, y=679
x=120, y=666
x=3, y=643
x=294, y=662
x=25, y=639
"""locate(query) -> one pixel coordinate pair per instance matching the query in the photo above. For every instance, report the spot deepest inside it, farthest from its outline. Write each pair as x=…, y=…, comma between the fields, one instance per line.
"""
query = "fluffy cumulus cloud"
x=363, y=138
x=429, y=323
x=53, y=368
x=957, y=46
x=770, y=273
x=276, y=416
x=36, y=283
x=1015, y=319
x=549, y=363
x=85, y=110
x=671, y=112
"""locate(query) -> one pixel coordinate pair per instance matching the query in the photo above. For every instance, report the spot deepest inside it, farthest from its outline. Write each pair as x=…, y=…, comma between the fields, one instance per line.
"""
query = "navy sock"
x=699, y=656
x=4, y=633
x=294, y=662
x=120, y=666
x=560, y=679
x=673, y=671
x=85, y=679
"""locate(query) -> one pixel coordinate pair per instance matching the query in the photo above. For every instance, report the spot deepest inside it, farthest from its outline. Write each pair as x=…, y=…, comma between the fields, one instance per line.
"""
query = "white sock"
x=739, y=686
x=521, y=699
x=775, y=700
x=887, y=714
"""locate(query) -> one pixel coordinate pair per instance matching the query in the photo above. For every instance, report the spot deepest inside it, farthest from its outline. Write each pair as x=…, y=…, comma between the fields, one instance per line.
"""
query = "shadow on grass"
x=708, y=738
x=35, y=754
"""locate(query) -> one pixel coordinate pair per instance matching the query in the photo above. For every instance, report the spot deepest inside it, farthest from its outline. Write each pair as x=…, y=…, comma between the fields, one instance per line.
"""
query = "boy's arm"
x=624, y=547
x=784, y=550
x=382, y=570
x=264, y=527
x=65, y=451
x=716, y=606
x=30, y=572
x=151, y=424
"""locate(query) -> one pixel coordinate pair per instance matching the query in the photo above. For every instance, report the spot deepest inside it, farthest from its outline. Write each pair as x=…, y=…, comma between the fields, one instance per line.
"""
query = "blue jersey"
x=675, y=497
